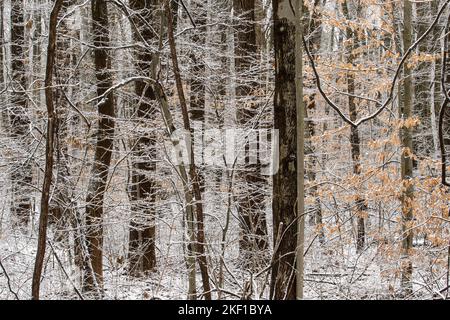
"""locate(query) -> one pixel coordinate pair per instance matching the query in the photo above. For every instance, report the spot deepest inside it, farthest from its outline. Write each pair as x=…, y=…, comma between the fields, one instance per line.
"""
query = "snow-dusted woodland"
x=224, y=149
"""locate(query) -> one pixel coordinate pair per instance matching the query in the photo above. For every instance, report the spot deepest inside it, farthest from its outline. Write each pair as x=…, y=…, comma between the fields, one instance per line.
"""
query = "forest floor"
x=330, y=274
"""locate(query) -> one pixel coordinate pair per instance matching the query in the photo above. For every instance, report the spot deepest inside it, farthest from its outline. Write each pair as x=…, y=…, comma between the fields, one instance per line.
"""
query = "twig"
x=64, y=270
x=393, y=83
x=8, y=281
x=188, y=13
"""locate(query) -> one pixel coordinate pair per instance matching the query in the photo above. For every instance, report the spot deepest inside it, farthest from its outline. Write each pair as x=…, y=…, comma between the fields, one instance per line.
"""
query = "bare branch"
x=393, y=83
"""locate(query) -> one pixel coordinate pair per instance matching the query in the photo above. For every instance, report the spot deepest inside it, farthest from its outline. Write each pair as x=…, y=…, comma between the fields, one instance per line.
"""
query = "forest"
x=224, y=150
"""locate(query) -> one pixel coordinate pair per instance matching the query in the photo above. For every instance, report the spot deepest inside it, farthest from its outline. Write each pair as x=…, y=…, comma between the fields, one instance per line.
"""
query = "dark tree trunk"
x=360, y=203
x=61, y=209
x=284, y=182
x=49, y=151
x=253, y=239
x=406, y=135
x=92, y=263
x=142, y=250
x=197, y=80
x=21, y=176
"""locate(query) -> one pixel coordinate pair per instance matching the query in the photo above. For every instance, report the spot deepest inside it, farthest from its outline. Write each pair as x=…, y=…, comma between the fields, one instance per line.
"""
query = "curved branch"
x=394, y=80
x=8, y=281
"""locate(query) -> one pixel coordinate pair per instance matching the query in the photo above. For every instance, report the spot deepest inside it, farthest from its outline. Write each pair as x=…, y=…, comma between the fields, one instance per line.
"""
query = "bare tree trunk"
x=284, y=208
x=433, y=116
x=142, y=250
x=193, y=175
x=360, y=202
x=434, y=78
x=197, y=79
x=314, y=33
x=21, y=174
x=93, y=264
x=197, y=96
x=188, y=197
x=300, y=149
x=49, y=150
x=61, y=209
x=253, y=241
x=423, y=96
x=219, y=120
x=189, y=218
x=406, y=158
